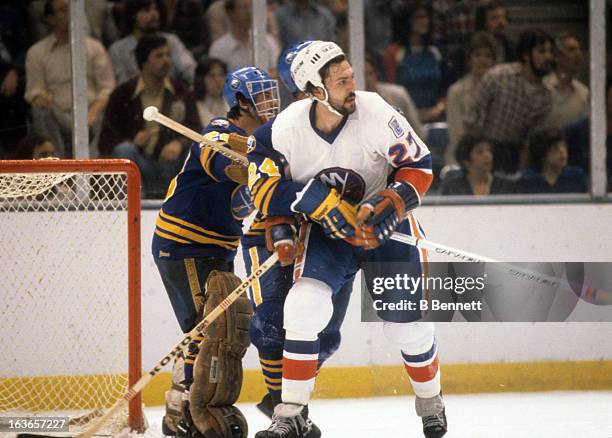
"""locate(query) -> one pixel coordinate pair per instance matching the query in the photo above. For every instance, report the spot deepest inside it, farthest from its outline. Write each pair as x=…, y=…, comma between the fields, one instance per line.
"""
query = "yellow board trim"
x=364, y=382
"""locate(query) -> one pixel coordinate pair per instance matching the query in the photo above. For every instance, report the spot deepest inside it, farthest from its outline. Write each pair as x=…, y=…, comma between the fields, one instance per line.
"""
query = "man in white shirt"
x=570, y=96
x=234, y=47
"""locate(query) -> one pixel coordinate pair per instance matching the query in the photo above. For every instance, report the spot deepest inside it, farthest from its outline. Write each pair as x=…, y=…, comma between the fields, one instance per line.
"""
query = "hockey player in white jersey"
x=353, y=166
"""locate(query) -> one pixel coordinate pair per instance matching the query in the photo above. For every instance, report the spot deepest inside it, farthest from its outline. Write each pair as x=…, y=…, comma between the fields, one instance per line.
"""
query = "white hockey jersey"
x=357, y=158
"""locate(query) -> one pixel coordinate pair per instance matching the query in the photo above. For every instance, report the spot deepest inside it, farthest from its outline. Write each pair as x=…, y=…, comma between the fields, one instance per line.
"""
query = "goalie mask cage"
x=70, y=286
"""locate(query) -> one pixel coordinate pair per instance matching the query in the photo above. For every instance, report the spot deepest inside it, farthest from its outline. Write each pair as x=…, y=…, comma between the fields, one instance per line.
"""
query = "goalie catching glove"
x=325, y=206
x=280, y=237
x=379, y=216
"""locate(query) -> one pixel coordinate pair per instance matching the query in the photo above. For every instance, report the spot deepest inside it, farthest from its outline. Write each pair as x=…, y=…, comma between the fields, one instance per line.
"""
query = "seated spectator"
x=300, y=20
x=234, y=47
x=492, y=17
x=412, y=61
x=143, y=17
x=475, y=157
x=49, y=80
x=208, y=89
x=155, y=149
x=395, y=95
x=34, y=147
x=481, y=57
x=549, y=172
x=512, y=101
x=570, y=97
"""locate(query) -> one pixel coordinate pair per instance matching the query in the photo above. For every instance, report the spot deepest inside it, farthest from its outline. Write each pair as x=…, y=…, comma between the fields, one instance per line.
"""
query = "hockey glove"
x=241, y=202
x=280, y=237
x=325, y=206
x=379, y=216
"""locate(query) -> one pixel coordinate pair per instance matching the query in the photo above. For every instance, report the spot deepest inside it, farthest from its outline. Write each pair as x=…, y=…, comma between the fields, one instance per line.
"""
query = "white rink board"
x=567, y=232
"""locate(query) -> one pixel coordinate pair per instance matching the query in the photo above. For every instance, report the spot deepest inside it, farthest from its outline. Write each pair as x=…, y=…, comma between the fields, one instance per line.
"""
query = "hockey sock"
x=272, y=369
x=423, y=371
x=300, y=359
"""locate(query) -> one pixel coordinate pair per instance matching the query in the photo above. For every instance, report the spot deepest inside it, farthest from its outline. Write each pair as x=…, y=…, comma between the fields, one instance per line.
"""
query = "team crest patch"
x=250, y=144
x=220, y=122
x=395, y=126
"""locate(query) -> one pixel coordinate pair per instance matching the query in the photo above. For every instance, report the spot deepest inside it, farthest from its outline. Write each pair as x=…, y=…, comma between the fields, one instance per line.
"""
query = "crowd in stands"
x=502, y=116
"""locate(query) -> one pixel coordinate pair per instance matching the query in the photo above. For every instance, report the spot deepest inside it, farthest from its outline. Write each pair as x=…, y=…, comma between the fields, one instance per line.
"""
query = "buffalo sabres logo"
x=235, y=84
x=348, y=182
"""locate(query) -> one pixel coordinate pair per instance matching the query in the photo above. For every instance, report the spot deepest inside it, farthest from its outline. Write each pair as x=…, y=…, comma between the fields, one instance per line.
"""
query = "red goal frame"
x=128, y=167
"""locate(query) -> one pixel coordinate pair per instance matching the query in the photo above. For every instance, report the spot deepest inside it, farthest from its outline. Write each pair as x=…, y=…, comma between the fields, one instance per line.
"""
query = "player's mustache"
x=349, y=96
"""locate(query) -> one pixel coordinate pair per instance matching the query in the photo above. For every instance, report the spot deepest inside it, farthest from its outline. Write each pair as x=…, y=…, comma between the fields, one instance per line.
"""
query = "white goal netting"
x=64, y=320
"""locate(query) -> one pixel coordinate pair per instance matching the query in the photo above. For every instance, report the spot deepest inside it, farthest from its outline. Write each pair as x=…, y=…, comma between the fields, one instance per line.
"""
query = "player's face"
x=340, y=84
x=481, y=157
x=541, y=59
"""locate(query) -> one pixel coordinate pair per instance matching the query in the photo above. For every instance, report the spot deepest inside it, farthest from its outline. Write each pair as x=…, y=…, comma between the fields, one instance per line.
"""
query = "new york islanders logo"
x=348, y=182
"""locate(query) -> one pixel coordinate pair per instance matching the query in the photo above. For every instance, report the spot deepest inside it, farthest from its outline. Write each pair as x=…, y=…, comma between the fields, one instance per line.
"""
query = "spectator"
x=219, y=23
x=49, y=80
x=570, y=97
x=395, y=95
x=412, y=61
x=461, y=94
x=300, y=20
x=453, y=25
x=549, y=172
x=208, y=89
x=125, y=134
x=35, y=147
x=143, y=17
x=191, y=26
x=511, y=100
x=475, y=157
x=578, y=143
x=492, y=17
x=234, y=47
x=100, y=23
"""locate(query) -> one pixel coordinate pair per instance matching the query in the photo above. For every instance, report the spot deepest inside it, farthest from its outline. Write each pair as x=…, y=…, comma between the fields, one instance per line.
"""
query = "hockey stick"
x=151, y=114
x=197, y=330
x=513, y=270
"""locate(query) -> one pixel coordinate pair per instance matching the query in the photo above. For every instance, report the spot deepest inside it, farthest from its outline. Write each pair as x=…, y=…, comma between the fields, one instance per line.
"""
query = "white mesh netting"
x=64, y=317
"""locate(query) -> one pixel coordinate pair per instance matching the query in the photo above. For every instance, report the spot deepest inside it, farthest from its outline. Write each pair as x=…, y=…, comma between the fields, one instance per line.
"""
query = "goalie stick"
x=152, y=114
x=197, y=330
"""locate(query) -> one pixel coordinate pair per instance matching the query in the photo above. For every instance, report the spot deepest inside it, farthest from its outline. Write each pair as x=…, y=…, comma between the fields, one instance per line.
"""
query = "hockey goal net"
x=70, y=284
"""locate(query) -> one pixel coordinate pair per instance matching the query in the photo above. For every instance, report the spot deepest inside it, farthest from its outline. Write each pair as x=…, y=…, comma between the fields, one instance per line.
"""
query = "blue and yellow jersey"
x=266, y=172
x=197, y=218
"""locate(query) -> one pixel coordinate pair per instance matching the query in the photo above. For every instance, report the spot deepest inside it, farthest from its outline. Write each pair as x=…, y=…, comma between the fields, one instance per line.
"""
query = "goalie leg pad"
x=218, y=367
x=174, y=397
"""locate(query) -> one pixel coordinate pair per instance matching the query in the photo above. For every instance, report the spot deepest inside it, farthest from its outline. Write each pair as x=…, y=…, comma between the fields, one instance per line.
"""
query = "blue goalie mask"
x=254, y=85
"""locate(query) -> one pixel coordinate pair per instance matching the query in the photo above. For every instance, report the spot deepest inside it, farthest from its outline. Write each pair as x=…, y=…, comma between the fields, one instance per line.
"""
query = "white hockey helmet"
x=308, y=61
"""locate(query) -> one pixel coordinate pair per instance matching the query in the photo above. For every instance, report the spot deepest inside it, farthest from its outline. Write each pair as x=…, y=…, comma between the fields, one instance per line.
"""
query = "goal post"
x=70, y=261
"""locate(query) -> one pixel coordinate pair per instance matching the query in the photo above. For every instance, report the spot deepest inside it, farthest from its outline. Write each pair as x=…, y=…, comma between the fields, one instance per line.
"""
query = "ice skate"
x=433, y=414
x=290, y=421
